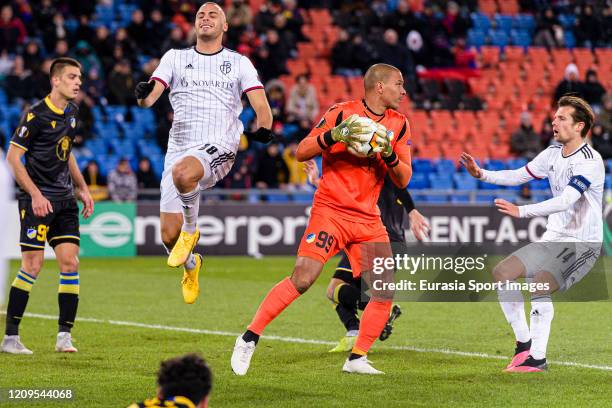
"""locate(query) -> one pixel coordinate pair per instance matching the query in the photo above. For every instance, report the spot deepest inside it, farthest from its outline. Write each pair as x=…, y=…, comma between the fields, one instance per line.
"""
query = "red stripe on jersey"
x=161, y=81
x=252, y=89
x=531, y=174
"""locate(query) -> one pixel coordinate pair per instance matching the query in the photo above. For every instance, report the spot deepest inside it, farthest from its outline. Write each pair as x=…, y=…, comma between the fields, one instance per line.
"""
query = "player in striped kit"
x=572, y=242
x=206, y=85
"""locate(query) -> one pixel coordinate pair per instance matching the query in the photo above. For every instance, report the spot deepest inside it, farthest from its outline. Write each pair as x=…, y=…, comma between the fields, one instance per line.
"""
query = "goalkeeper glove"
x=261, y=135
x=352, y=129
x=143, y=89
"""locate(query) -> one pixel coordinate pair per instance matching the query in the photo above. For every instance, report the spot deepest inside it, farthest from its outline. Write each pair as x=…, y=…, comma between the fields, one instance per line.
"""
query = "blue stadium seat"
x=485, y=197
x=567, y=20
x=524, y=22
x=487, y=186
x=422, y=166
x=480, y=21
x=494, y=164
x=609, y=181
x=539, y=184
x=419, y=181
x=499, y=38
x=305, y=197
x=463, y=181
x=609, y=165
x=441, y=181
x=460, y=198
x=476, y=38
x=516, y=163
x=503, y=22
x=445, y=166
x=431, y=198
x=570, y=39
x=520, y=38
x=277, y=198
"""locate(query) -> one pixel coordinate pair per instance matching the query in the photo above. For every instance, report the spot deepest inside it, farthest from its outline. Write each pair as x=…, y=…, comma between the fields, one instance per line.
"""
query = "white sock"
x=542, y=313
x=191, y=208
x=513, y=305
x=191, y=261
x=352, y=333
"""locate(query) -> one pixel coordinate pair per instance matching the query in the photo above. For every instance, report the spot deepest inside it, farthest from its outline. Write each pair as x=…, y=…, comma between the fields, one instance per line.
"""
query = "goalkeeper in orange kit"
x=344, y=213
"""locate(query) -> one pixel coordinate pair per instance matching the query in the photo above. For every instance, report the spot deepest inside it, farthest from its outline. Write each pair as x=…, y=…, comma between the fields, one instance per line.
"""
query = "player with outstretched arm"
x=574, y=233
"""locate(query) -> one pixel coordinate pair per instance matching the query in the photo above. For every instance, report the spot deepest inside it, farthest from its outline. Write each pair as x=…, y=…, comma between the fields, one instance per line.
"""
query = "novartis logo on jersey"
x=188, y=82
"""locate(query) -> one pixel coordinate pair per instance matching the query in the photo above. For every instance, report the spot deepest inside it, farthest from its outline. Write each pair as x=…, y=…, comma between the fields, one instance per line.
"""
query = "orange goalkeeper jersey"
x=350, y=185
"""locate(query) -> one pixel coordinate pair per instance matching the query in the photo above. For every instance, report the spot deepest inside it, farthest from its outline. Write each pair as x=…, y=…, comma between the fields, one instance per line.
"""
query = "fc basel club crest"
x=226, y=67
x=72, y=122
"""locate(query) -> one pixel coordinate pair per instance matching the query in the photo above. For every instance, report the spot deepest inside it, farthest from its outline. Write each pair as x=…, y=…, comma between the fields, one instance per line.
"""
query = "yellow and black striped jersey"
x=173, y=402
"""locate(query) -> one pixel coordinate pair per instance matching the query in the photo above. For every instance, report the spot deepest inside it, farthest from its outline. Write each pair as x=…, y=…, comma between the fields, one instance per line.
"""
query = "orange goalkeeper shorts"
x=327, y=233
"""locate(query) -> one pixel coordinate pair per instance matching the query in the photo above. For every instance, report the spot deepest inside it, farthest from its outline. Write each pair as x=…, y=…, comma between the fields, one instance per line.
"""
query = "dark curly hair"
x=187, y=376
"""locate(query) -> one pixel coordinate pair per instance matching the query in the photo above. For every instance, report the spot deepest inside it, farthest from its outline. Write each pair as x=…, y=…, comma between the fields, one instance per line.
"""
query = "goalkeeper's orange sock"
x=373, y=321
x=279, y=297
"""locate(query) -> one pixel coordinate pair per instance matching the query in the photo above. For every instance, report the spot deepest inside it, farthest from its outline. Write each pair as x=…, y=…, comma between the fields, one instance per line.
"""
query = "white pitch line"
x=305, y=341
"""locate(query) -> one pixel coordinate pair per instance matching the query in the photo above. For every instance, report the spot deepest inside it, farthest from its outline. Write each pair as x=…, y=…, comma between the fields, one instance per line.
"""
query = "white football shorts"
x=217, y=162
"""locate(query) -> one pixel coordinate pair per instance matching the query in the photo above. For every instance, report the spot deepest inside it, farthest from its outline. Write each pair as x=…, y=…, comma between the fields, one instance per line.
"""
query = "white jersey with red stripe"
x=205, y=93
x=584, y=171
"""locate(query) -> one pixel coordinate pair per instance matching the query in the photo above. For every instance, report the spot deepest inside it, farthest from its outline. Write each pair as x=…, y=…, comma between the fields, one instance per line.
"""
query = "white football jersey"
x=205, y=93
x=583, y=170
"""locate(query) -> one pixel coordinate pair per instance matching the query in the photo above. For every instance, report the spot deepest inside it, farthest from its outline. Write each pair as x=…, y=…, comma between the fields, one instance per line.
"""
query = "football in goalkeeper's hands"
x=368, y=143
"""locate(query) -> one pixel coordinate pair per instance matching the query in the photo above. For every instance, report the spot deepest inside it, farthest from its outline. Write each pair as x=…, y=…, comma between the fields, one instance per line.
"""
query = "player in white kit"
x=206, y=85
x=574, y=233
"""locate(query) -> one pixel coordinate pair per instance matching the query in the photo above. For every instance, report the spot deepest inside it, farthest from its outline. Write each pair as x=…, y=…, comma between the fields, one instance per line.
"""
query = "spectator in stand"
x=284, y=33
x=39, y=80
x=394, y=53
x=145, y=175
x=239, y=14
x=607, y=26
x=549, y=32
x=267, y=70
x=296, y=170
x=546, y=133
x=87, y=58
x=104, y=46
x=164, y=125
x=32, y=57
x=95, y=181
x=593, y=90
x=272, y=171
x=12, y=30
x=276, y=98
x=122, y=183
x=84, y=31
x=158, y=31
x=6, y=64
x=175, y=40
x=454, y=23
x=264, y=19
x=137, y=30
x=17, y=83
x=121, y=85
x=239, y=176
x=525, y=142
x=43, y=24
x=605, y=116
x=294, y=19
x=570, y=84
x=302, y=103
x=278, y=50
x=128, y=47
x=601, y=141
x=342, y=57
x=589, y=28
x=402, y=20
x=61, y=49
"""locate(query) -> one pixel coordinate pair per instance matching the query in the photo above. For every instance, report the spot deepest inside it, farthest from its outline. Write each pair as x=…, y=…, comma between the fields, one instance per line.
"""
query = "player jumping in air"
x=344, y=290
x=206, y=85
x=47, y=206
x=574, y=233
x=344, y=212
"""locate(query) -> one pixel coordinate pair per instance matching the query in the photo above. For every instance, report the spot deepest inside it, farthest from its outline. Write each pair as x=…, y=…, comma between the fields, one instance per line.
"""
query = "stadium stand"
x=472, y=67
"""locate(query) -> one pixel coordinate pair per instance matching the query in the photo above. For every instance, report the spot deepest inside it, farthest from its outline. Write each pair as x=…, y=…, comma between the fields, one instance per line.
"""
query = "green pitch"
x=117, y=360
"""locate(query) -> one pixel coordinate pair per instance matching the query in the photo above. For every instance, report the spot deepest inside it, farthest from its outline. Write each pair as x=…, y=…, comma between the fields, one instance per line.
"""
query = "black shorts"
x=62, y=225
x=344, y=272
